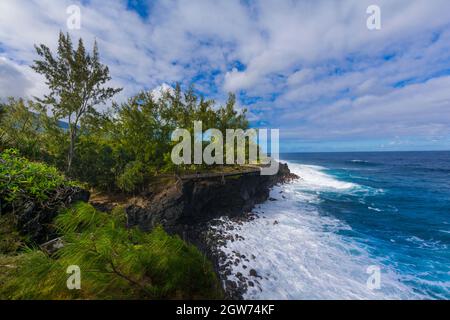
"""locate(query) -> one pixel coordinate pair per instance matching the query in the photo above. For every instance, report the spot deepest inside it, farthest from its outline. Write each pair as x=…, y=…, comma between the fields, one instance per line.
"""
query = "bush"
x=32, y=193
x=21, y=179
x=94, y=163
x=115, y=263
x=132, y=178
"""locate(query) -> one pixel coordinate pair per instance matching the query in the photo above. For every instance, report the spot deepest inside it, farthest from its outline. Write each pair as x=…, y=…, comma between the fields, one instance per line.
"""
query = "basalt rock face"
x=191, y=202
x=34, y=219
x=188, y=208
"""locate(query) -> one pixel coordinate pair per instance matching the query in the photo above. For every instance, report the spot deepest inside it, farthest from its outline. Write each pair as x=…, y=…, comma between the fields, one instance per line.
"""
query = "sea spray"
x=299, y=253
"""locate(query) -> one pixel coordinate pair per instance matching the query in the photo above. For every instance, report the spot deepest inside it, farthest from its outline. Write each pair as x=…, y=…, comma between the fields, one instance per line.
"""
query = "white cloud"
x=160, y=90
x=13, y=82
x=421, y=109
x=304, y=61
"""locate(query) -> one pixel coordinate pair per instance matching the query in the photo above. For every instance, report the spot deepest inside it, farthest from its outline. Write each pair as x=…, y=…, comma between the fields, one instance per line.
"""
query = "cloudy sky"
x=310, y=68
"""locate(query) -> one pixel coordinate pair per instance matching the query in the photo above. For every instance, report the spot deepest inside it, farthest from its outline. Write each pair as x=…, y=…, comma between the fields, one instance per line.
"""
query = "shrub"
x=132, y=178
x=20, y=127
x=32, y=193
x=21, y=179
x=94, y=163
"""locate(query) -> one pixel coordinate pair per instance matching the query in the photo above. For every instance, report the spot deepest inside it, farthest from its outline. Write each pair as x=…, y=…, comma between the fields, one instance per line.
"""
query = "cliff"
x=194, y=200
x=187, y=206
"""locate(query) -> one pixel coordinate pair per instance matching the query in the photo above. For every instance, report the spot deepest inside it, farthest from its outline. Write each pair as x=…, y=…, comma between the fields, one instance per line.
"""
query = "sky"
x=311, y=69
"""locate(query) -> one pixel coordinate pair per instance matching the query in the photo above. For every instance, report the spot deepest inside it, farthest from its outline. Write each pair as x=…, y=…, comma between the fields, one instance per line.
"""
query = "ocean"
x=355, y=226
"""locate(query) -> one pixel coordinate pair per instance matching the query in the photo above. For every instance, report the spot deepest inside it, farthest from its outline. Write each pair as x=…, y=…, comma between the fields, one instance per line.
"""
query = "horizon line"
x=373, y=151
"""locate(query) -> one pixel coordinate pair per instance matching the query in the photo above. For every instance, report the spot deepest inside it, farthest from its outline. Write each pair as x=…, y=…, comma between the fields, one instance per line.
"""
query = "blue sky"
x=310, y=68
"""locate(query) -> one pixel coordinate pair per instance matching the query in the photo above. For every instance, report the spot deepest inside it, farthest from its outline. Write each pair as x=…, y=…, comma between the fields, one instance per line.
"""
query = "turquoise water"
x=396, y=206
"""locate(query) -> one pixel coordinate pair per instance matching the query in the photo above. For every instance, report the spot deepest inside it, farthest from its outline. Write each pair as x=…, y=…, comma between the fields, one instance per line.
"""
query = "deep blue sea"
x=351, y=212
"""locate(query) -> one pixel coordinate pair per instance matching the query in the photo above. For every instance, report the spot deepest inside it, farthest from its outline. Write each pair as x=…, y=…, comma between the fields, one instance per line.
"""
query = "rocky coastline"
x=203, y=211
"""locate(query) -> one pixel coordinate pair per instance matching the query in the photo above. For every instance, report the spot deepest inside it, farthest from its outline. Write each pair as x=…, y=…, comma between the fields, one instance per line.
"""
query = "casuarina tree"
x=77, y=84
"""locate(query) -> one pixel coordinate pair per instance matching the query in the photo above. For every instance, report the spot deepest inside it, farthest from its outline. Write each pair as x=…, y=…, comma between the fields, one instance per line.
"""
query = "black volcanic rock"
x=193, y=201
x=253, y=273
x=35, y=220
x=188, y=208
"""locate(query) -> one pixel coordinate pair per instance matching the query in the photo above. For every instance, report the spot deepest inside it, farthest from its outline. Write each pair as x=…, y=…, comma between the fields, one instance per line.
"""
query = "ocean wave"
x=300, y=254
x=426, y=244
x=314, y=179
x=362, y=163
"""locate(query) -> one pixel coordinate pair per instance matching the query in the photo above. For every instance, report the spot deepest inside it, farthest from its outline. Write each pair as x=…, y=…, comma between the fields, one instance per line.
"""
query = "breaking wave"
x=301, y=254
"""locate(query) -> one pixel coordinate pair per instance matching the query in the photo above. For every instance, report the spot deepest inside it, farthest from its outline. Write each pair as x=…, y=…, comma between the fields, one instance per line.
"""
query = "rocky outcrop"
x=189, y=208
x=195, y=200
x=34, y=219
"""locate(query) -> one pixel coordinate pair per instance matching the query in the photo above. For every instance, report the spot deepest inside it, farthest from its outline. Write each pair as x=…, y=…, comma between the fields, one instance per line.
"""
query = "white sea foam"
x=359, y=161
x=313, y=178
x=300, y=254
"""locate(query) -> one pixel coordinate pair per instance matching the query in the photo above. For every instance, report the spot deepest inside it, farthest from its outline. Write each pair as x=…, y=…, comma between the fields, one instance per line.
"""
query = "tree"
x=76, y=80
x=2, y=111
x=230, y=118
x=20, y=127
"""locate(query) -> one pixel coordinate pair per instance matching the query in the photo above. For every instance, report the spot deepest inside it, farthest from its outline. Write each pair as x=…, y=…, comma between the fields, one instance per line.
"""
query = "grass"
x=115, y=263
x=10, y=239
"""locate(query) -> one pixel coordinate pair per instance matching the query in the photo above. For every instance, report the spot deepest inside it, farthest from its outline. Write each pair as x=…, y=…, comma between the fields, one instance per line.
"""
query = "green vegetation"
x=31, y=193
x=115, y=263
x=10, y=239
x=124, y=149
x=22, y=180
x=19, y=127
x=76, y=81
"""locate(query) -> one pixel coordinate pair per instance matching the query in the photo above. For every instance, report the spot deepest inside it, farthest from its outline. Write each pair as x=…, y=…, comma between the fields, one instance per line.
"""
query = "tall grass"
x=115, y=262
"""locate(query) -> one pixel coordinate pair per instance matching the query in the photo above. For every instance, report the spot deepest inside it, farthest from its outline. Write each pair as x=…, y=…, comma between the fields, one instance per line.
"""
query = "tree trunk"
x=73, y=133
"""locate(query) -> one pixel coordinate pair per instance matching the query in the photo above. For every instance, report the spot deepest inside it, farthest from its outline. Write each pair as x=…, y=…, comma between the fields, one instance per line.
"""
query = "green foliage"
x=132, y=177
x=76, y=80
x=2, y=111
x=95, y=162
x=124, y=149
x=115, y=262
x=31, y=194
x=27, y=128
x=140, y=132
x=8, y=264
x=20, y=127
x=129, y=150
x=21, y=179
